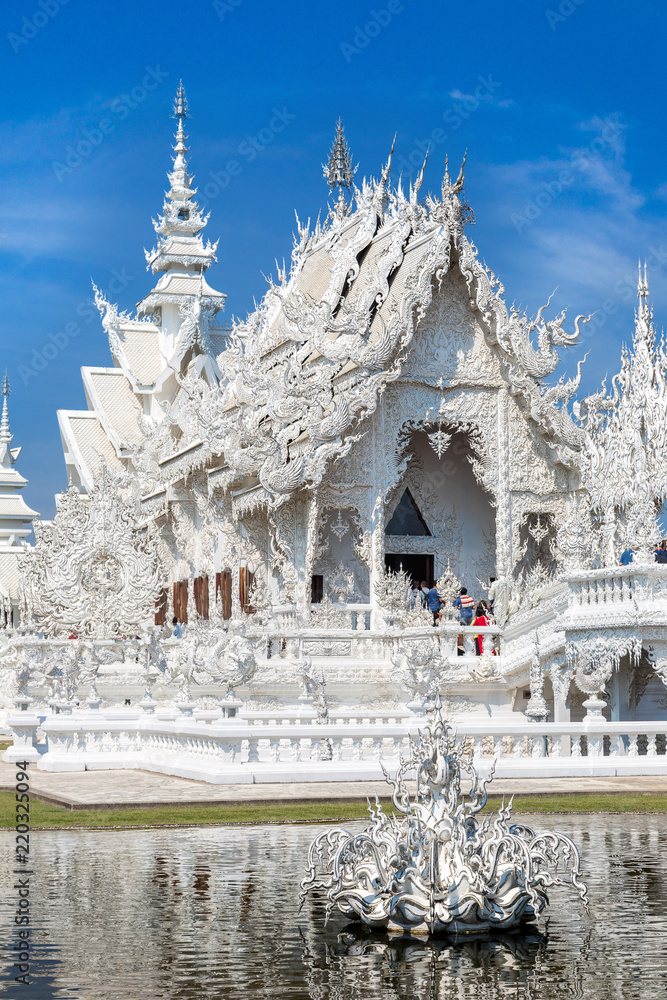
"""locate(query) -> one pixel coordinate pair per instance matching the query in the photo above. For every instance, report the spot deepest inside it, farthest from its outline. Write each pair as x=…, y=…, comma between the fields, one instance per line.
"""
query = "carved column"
x=377, y=559
x=170, y=603
x=537, y=710
x=301, y=532
x=311, y=546
x=376, y=526
x=211, y=591
x=503, y=512
x=560, y=682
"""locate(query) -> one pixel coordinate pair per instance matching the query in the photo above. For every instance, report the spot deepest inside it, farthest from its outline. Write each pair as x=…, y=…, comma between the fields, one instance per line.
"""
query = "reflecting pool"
x=211, y=913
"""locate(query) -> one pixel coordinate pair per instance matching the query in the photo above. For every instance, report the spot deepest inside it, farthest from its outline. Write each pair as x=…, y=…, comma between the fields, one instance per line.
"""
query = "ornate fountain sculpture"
x=436, y=869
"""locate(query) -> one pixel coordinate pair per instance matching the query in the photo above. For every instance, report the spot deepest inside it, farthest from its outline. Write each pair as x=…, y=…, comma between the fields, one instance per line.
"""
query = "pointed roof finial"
x=5, y=433
x=387, y=167
x=642, y=282
x=416, y=187
x=181, y=107
x=339, y=172
x=644, y=332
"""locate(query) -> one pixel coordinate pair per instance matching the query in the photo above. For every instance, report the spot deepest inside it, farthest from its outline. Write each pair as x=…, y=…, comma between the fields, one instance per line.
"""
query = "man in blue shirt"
x=466, y=605
x=626, y=557
x=433, y=602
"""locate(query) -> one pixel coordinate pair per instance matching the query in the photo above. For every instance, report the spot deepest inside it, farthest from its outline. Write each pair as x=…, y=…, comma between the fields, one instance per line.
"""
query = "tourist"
x=481, y=621
x=661, y=552
x=626, y=557
x=433, y=602
x=424, y=590
x=414, y=594
x=176, y=628
x=466, y=606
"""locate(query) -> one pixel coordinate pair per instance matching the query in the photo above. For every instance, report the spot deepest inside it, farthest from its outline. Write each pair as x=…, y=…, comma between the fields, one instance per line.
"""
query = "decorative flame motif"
x=435, y=869
x=340, y=527
x=439, y=440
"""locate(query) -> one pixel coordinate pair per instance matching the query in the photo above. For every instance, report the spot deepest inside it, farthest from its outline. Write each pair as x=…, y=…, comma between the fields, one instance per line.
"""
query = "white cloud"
x=482, y=94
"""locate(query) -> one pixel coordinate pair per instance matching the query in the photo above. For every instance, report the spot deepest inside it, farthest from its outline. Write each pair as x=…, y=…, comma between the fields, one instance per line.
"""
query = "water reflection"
x=433, y=970
x=213, y=914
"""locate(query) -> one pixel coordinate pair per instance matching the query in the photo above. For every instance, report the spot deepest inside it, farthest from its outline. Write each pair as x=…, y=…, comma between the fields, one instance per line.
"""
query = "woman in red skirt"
x=481, y=621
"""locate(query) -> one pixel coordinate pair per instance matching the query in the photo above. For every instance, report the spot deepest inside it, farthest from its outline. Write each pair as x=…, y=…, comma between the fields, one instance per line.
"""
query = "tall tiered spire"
x=15, y=515
x=644, y=336
x=182, y=219
x=181, y=251
x=339, y=172
x=5, y=433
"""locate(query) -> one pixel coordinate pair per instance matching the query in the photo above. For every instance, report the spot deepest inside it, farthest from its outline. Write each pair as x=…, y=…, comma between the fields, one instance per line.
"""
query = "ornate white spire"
x=5, y=433
x=626, y=439
x=15, y=515
x=339, y=172
x=181, y=251
x=182, y=220
x=644, y=331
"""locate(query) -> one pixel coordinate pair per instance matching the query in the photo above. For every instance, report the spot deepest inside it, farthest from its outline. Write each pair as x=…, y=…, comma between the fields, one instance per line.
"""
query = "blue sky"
x=559, y=104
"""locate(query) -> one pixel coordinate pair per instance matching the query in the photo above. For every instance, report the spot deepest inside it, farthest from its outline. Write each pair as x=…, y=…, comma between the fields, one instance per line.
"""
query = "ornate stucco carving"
x=94, y=571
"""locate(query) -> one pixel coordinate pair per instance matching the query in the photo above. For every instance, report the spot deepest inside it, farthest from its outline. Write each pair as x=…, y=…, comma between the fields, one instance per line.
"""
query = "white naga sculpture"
x=210, y=651
x=438, y=869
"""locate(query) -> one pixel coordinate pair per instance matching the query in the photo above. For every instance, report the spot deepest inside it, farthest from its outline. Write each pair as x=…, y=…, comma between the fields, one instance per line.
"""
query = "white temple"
x=381, y=410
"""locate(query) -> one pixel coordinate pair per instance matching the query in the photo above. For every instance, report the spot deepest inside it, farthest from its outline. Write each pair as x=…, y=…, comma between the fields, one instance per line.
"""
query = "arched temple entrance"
x=438, y=512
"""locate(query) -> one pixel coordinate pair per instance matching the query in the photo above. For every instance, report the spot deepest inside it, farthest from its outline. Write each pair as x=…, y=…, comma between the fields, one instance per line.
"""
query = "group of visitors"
x=480, y=616
x=660, y=554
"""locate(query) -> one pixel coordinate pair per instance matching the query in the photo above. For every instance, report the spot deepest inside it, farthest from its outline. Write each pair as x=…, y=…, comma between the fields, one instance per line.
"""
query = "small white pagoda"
x=15, y=517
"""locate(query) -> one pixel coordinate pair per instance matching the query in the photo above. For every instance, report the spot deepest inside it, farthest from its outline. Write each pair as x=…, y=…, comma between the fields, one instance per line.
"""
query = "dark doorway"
x=417, y=567
x=407, y=519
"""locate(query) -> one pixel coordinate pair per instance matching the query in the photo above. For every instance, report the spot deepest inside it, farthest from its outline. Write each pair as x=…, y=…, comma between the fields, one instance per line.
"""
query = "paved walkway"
x=126, y=789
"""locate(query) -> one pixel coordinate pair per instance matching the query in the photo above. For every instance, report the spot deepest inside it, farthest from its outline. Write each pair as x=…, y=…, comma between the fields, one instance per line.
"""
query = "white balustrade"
x=350, y=747
x=616, y=585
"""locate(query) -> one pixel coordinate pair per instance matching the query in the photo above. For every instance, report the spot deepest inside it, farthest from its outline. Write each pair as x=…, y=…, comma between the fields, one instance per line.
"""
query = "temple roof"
x=285, y=389
x=86, y=445
x=314, y=357
x=111, y=396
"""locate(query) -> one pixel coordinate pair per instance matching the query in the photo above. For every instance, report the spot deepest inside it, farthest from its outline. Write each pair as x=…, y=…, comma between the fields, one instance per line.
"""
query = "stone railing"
x=376, y=643
x=337, y=716
x=601, y=586
x=617, y=585
x=353, y=746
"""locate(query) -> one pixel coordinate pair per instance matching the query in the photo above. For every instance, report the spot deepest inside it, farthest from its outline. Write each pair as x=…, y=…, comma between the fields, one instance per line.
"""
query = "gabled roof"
x=110, y=395
x=86, y=444
x=10, y=574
